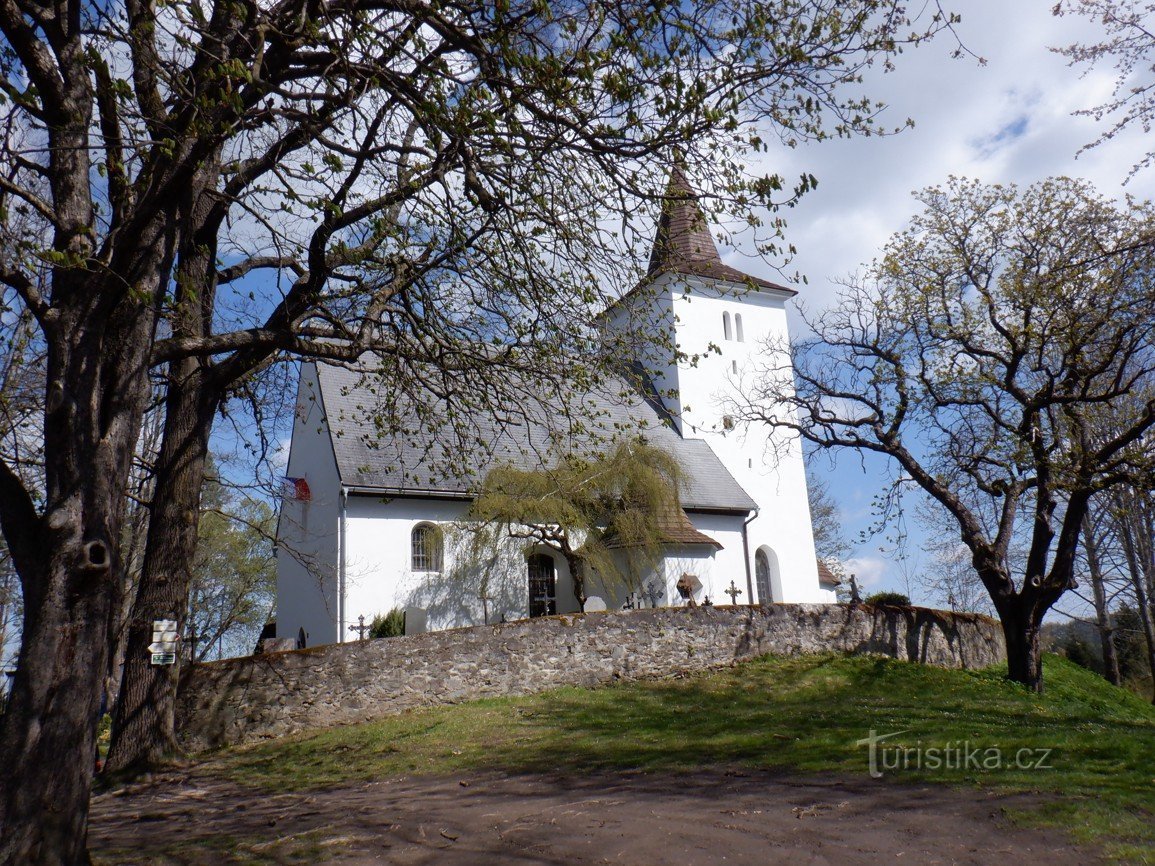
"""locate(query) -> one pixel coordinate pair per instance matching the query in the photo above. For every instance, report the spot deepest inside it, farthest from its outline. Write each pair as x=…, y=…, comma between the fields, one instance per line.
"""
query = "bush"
x=888, y=599
x=391, y=624
x=1079, y=650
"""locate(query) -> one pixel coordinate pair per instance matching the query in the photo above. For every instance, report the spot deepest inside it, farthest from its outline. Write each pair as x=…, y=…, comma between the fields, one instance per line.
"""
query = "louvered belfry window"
x=427, y=547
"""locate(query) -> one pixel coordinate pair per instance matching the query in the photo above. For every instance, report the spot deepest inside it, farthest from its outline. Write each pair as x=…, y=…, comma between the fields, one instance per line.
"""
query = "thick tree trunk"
x=143, y=733
x=69, y=564
x=1024, y=655
x=143, y=729
x=49, y=730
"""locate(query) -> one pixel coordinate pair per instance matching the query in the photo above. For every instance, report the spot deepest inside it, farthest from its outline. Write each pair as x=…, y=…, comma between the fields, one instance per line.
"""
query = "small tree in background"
x=604, y=514
x=234, y=578
x=391, y=624
x=830, y=542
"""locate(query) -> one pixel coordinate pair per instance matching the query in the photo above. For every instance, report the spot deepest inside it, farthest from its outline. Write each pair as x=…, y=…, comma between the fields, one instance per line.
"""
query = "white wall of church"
x=379, y=574
x=749, y=328
x=307, y=534
x=731, y=333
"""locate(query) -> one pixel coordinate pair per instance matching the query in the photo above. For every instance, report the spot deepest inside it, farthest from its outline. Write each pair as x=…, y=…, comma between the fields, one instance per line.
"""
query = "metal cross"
x=360, y=628
x=733, y=592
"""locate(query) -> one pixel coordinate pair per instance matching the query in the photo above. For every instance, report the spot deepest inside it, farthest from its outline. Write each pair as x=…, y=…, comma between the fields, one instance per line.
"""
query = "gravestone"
x=416, y=620
x=595, y=604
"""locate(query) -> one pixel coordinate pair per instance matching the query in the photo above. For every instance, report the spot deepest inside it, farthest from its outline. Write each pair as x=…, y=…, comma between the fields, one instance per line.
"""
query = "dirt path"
x=660, y=818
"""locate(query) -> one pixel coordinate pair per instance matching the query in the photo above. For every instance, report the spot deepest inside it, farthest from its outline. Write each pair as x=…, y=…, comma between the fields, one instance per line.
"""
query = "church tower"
x=713, y=327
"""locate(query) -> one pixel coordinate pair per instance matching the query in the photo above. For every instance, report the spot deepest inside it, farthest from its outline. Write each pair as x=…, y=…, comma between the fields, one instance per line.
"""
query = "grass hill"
x=1086, y=747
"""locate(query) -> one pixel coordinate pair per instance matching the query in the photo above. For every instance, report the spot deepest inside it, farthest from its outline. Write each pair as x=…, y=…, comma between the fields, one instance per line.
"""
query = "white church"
x=370, y=527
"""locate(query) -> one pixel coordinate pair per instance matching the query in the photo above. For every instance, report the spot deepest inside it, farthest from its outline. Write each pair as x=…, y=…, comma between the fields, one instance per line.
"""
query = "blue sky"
x=1007, y=120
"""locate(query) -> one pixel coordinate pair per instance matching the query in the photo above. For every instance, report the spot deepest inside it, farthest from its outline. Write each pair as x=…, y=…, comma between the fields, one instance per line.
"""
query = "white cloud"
x=868, y=571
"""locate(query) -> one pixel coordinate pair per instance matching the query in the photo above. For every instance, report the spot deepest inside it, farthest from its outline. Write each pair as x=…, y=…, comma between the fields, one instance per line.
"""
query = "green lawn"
x=799, y=714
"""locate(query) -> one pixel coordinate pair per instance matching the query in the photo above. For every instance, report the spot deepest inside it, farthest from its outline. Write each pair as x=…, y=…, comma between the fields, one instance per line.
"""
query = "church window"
x=726, y=325
x=762, y=577
x=733, y=366
x=738, y=328
x=428, y=546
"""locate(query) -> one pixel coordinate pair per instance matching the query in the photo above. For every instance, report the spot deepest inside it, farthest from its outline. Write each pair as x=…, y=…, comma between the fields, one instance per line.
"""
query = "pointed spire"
x=683, y=235
x=684, y=245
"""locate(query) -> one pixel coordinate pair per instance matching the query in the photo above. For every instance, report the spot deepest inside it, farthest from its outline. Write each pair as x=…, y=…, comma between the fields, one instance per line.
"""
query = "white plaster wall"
x=767, y=463
x=378, y=573
x=307, y=532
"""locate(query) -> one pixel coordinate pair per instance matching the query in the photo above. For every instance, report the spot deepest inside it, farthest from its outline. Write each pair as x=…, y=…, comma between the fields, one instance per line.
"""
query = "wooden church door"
x=542, y=585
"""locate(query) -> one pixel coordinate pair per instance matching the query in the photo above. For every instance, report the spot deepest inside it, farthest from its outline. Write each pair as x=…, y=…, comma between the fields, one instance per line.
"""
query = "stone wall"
x=247, y=699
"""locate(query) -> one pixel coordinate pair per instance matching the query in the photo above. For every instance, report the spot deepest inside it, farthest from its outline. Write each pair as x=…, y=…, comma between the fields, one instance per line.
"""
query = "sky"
x=1008, y=120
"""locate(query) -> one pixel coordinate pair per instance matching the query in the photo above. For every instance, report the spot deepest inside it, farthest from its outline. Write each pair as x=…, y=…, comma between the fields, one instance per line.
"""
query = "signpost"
x=165, y=642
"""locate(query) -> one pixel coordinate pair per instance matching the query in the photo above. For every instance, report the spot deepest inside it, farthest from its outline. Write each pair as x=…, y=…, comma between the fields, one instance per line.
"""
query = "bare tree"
x=981, y=354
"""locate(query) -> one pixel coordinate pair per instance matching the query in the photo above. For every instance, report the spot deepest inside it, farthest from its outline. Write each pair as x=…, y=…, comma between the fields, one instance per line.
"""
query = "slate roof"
x=413, y=461
x=684, y=245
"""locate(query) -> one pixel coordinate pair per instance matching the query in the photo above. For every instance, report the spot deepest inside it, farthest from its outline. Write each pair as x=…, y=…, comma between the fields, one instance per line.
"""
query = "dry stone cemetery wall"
x=243, y=700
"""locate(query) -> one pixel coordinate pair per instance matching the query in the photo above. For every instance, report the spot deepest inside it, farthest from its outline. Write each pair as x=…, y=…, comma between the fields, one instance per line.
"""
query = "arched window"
x=427, y=547
x=762, y=577
x=738, y=328
x=726, y=324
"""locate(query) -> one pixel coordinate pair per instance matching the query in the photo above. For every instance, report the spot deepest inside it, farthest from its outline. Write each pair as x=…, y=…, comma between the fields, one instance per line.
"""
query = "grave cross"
x=360, y=628
x=733, y=592
x=855, y=595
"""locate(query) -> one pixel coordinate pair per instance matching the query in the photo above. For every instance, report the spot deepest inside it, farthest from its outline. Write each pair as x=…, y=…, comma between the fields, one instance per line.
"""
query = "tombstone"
x=269, y=630
x=688, y=586
x=595, y=604
x=278, y=645
x=416, y=620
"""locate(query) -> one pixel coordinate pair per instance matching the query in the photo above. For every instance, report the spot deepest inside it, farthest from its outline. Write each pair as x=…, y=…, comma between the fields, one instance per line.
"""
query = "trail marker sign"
x=165, y=642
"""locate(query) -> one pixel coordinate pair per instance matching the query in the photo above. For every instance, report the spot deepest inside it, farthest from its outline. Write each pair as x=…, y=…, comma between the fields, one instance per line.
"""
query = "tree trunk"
x=70, y=568
x=577, y=576
x=1024, y=660
x=1102, y=611
x=49, y=730
x=143, y=731
x=1138, y=572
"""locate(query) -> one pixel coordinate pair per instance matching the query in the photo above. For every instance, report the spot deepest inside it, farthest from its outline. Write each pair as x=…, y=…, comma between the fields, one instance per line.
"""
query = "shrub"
x=888, y=599
x=391, y=624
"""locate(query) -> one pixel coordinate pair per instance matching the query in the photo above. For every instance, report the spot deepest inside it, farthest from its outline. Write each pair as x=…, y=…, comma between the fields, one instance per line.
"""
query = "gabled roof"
x=416, y=462
x=683, y=243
